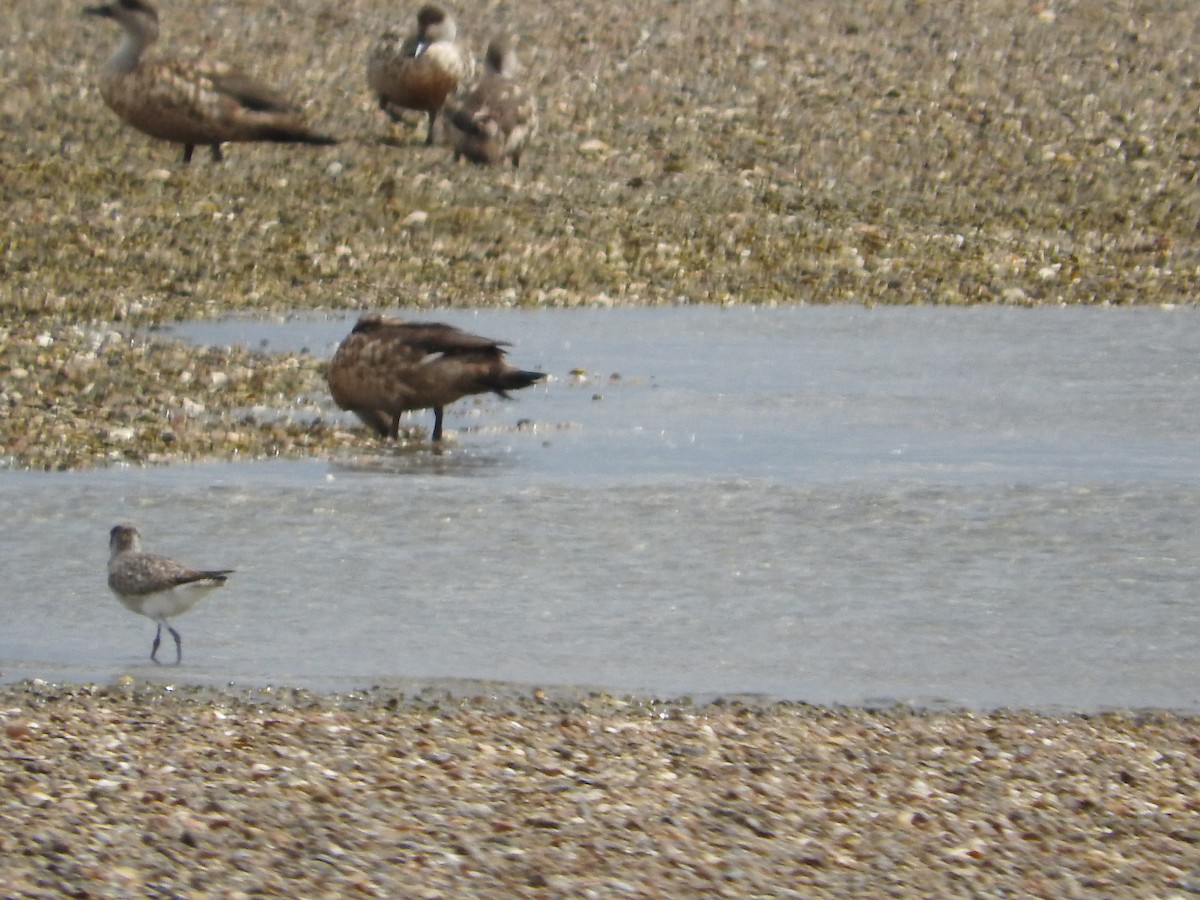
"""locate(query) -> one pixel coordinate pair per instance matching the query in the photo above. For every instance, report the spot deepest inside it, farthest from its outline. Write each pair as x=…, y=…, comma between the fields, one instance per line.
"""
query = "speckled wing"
x=367, y=370
x=133, y=574
x=431, y=337
x=191, y=102
x=510, y=104
x=246, y=90
x=389, y=55
x=388, y=364
x=495, y=120
x=392, y=47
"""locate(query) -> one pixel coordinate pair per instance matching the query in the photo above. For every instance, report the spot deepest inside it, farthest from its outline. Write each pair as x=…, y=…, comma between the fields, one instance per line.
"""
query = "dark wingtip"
x=288, y=135
x=516, y=379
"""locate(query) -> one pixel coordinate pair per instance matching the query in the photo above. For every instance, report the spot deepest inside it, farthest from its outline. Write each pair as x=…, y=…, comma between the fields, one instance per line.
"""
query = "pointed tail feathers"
x=513, y=380
x=298, y=134
x=217, y=576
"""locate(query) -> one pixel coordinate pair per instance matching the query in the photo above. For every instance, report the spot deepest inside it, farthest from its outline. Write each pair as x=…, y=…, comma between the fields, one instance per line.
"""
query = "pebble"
x=506, y=793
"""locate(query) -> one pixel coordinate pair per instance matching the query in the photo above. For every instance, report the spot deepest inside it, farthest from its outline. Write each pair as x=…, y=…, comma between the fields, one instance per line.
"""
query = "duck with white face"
x=420, y=70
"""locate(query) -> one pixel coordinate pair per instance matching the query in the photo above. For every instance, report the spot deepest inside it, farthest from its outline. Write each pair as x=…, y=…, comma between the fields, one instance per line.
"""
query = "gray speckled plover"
x=387, y=366
x=419, y=71
x=155, y=586
x=190, y=102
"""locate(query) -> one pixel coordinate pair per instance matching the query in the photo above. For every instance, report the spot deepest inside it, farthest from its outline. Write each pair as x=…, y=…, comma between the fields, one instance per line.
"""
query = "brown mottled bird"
x=497, y=118
x=155, y=586
x=419, y=71
x=388, y=366
x=190, y=102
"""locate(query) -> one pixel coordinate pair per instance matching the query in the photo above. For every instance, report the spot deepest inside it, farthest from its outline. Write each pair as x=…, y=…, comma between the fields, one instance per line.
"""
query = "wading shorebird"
x=155, y=586
x=497, y=118
x=419, y=71
x=388, y=366
x=190, y=102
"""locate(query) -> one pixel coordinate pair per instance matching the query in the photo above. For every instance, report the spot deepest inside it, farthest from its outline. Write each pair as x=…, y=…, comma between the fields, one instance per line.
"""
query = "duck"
x=419, y=71
x=497, y=118
x=388, y=366
x=190, y=102
x=154, y=586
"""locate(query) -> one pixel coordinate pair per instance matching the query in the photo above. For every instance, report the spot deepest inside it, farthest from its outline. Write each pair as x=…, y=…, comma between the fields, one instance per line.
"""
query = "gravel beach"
x=148, y=790
x=711, y=152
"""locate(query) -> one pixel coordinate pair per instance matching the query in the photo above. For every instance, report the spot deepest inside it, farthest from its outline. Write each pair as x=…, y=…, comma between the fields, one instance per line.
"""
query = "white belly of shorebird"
x=169, y=603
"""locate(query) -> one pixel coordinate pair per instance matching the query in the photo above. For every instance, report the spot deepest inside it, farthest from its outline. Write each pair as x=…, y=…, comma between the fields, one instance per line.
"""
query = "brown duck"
x=388, y=366
x=497, y=118
x=190, y=102
x=419, y=71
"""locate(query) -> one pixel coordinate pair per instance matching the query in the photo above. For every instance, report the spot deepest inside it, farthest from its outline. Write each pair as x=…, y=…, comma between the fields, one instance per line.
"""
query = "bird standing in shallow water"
x=155, y=586
x=190, y=102
x=497, y=118
x=387, y=366
x=421, y=70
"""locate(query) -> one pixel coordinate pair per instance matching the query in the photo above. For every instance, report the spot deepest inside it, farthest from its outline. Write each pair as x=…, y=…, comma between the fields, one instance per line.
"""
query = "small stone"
x=594, y=147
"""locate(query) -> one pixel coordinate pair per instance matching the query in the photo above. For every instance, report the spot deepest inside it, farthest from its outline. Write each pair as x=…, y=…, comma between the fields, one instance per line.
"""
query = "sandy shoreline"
x=153, y=791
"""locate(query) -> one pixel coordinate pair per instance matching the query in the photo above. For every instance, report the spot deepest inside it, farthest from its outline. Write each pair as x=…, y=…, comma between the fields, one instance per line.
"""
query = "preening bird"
x=498, y=117
x=388, y=366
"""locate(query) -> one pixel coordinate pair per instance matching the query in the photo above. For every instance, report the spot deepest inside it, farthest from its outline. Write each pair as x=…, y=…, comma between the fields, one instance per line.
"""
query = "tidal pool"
x=975, y=507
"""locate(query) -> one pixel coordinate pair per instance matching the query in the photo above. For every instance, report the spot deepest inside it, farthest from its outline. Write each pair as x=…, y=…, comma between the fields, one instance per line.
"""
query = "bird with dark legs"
x=419, y=71
x=193, y=102
x=386, y=367
x=156, y=586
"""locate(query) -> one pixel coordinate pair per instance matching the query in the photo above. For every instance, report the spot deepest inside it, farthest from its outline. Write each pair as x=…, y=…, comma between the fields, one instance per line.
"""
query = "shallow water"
x=939, y=506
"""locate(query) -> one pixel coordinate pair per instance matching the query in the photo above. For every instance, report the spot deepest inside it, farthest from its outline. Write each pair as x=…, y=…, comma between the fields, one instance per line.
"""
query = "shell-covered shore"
x=720, y=151
x=148, y=790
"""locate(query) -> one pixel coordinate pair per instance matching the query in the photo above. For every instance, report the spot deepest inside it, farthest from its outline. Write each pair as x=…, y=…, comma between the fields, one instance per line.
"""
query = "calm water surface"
x=982, y=507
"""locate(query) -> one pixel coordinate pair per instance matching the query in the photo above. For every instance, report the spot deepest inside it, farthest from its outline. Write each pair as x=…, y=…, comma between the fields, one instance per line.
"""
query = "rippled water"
x=982, y=507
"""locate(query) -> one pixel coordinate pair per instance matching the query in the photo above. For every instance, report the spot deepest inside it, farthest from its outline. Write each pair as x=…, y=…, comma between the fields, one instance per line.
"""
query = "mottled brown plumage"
x=156, y=586
x=497, y=118
x=190, y=102
x=419, y=71
x=388, y=366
